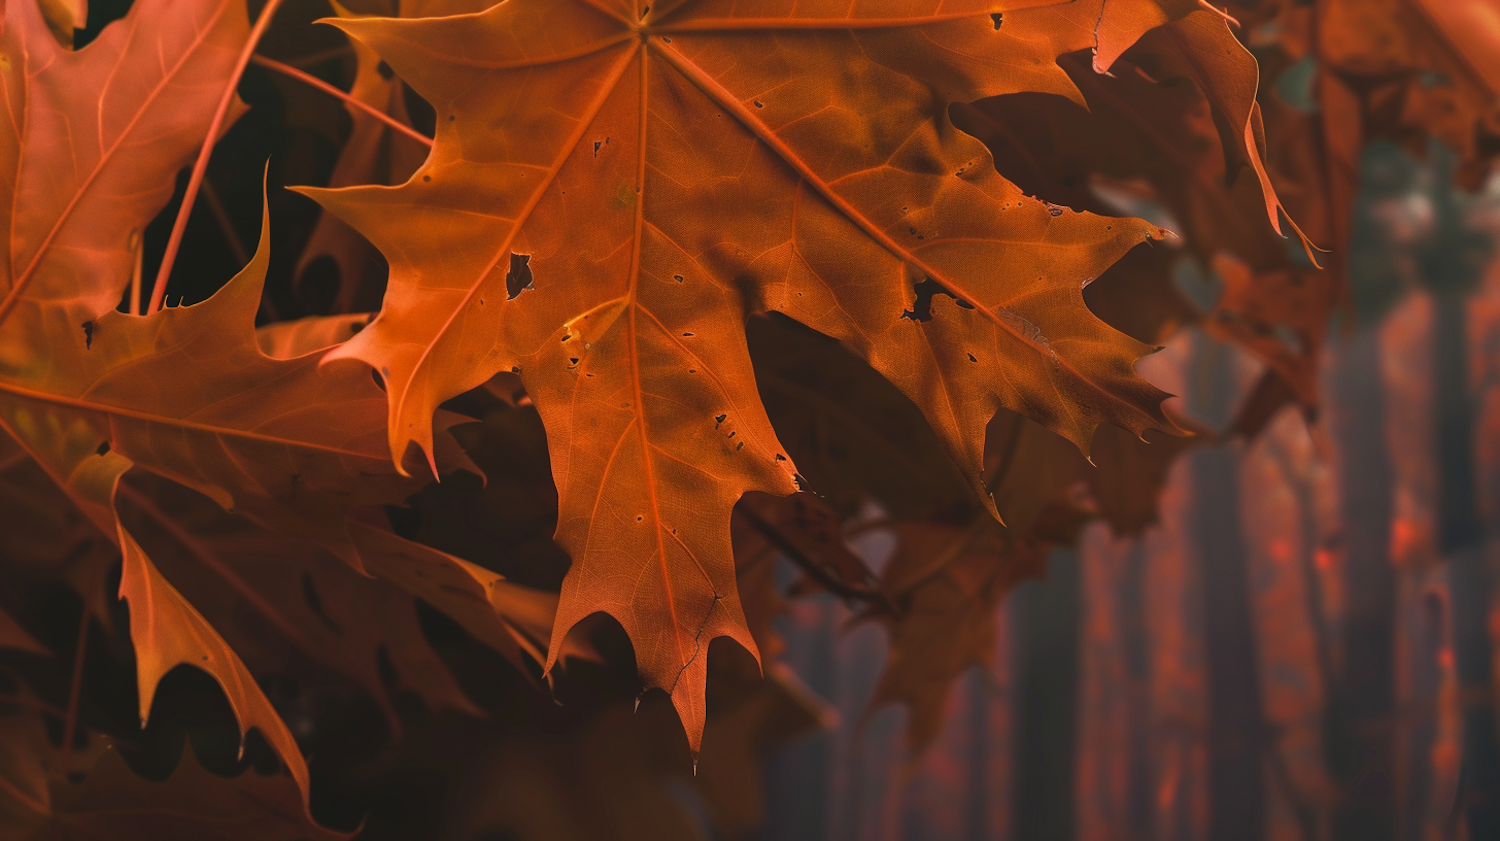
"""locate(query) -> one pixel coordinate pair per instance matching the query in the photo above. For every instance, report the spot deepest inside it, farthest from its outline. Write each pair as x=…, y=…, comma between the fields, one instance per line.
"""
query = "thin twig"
x=135, y=280
x=226, y=225
x=75, y=692
x=314, y=81
x=200, y=167
x=314, y=59
x=36, y=704
x=813, y=569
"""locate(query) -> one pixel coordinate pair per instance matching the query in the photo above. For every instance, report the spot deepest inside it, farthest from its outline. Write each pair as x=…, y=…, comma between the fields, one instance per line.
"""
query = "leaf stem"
x=813, y=569
x=313, y=81
x=34, y=704
x=200, y=167
x=75, y=692
x=135, y=280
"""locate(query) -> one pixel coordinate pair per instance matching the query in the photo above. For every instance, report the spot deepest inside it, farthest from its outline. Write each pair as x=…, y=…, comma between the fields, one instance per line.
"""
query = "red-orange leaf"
x=664, y=170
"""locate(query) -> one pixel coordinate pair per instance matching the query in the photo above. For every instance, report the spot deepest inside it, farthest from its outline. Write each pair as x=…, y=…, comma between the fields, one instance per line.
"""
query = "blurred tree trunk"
x=977, y=817
x=1460, y=541
x=1360, y=712
x=1426, y=682
x=1047, y=616
x=1140, y=808
x=797, y=777
x=1237, y=733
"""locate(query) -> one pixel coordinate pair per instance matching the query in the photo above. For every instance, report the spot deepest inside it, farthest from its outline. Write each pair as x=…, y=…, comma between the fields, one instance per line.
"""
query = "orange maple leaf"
x=664, y=171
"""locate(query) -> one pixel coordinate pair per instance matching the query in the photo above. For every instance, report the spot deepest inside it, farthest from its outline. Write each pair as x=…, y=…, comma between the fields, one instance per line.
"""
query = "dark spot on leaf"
x=677, y=277
x=639, y=518
x=780, y=457
x=688, y=334
x=997, y=19
x=515, y=369
x=921, y=308
x=759, y=104
x=732, y=434
x=719, y=420
x=452, y=117
x=972, y=359
x=88, y=335
x=739, y=446
x=518, y=279
x=573, y=359
x=103, y=449
x=597, y=144
x=426, y=179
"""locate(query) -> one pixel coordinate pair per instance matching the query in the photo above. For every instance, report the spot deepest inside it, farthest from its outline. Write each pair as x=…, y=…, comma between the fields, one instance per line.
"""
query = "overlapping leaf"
x=42, y=801
x=663, y=172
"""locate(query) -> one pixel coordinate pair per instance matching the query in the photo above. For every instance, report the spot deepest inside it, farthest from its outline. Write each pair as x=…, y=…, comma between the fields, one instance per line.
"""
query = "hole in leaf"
x=921, y=308
x=518, y=279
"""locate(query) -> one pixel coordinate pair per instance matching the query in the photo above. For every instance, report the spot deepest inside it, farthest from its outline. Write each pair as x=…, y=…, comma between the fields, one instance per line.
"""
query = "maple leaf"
x=1398, y=45
x=311, y=335
x=373, y=154
x=805, y=529
x=40, y=800
x=1280, y=316
x=512, y=619
x=948, y=582
x=767, y=712
x=88, y=149
x=308, y=601
x=667, y=171
x=1180, y=111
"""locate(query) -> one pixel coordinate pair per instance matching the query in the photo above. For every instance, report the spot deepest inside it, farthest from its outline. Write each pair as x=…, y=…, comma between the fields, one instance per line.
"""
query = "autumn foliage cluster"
x=606, y=327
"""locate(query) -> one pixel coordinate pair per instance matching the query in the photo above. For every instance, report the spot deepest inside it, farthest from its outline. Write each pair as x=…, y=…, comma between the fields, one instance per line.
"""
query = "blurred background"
x=1302, y=648
x=1300, y=645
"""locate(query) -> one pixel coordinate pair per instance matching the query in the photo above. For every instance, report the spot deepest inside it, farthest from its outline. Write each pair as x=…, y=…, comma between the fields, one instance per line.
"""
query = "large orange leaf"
x=664, y=170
